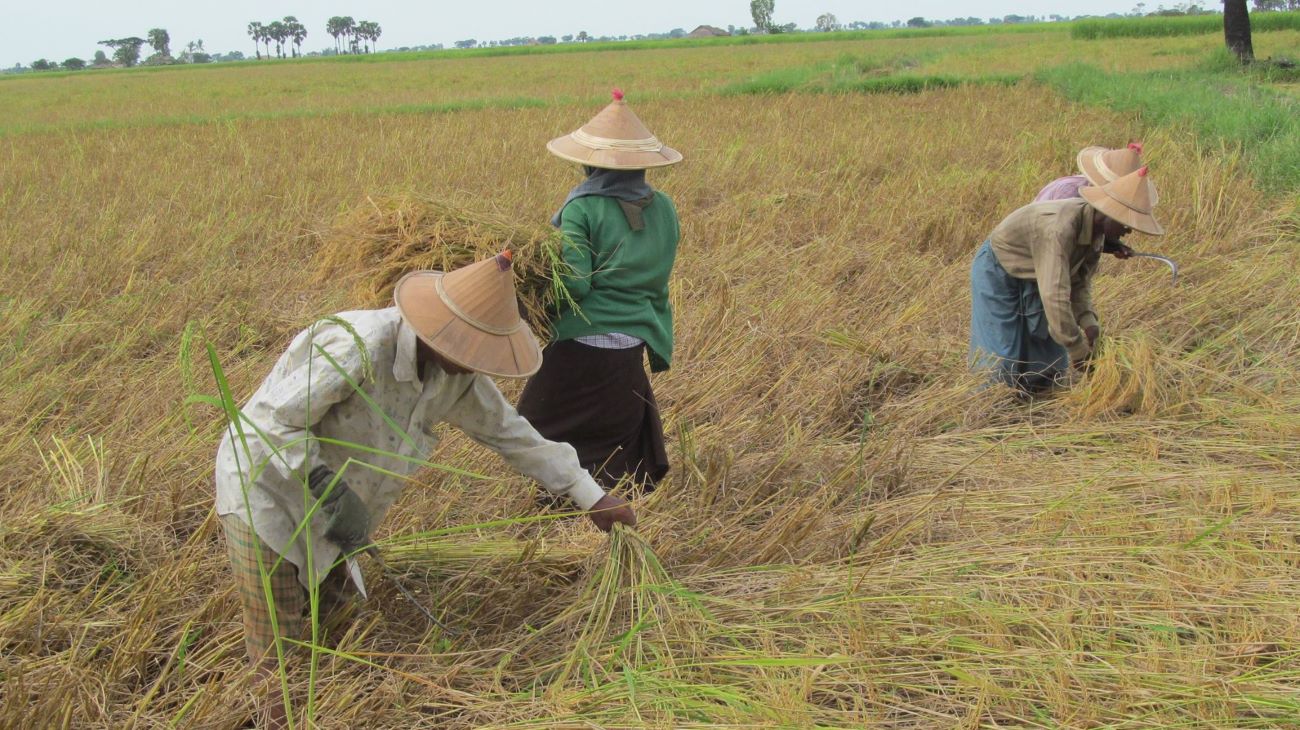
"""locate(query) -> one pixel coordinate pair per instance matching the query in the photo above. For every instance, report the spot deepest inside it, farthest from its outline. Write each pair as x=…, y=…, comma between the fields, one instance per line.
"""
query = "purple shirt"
x=1063, y=188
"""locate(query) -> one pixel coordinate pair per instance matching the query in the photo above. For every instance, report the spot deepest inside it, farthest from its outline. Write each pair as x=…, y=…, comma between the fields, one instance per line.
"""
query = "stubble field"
x=853, y=535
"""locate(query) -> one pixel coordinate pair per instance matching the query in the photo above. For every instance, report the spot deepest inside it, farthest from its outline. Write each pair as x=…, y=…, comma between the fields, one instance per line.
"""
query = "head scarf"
x=628, y=187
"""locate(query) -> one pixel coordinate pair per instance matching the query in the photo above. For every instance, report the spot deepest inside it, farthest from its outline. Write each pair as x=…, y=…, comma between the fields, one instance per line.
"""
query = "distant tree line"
x=287, y=34
x=581, y=36
x=762, y=13
x=126, y=53
x=352, y=36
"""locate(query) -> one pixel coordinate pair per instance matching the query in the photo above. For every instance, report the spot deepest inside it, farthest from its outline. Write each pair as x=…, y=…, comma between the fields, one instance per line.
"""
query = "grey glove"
x=347, y=519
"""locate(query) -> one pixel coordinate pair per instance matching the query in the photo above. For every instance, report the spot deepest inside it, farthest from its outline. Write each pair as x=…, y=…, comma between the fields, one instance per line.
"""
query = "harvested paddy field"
x=853, y=534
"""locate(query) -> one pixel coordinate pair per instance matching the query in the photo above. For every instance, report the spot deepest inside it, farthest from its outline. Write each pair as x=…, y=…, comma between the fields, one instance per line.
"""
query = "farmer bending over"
x=370, y=385
x=1031, y=282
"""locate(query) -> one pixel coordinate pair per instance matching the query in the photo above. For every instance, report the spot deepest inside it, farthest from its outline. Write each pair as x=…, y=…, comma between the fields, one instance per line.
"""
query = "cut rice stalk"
x=375, y=244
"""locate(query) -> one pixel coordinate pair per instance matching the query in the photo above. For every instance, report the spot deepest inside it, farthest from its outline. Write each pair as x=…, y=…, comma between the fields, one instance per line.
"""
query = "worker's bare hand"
x=1117, y=248
x=611, y=509
x=1093, y=332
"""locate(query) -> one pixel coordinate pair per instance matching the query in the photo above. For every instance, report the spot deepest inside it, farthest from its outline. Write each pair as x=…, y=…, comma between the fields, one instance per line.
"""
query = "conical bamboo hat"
x=1102, y=165
x=471, y=317
x=1129, y=200
x=614, y=139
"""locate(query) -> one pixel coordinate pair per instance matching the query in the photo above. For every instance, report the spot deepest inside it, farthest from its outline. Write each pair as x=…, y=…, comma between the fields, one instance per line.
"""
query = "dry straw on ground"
x=853, y=534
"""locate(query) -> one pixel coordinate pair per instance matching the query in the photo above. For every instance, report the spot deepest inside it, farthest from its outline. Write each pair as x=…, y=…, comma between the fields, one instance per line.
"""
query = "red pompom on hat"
x=617, y=94
x=1129, y=200
x=504, y=259
x=1101, y=165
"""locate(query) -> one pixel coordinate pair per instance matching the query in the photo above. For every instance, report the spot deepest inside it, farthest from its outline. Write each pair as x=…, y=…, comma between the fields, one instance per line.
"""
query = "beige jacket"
x=1054, y=244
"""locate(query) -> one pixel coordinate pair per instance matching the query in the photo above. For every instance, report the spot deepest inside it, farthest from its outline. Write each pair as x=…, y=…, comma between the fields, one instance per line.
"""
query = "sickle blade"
x=396, y=580
x=1173, y=267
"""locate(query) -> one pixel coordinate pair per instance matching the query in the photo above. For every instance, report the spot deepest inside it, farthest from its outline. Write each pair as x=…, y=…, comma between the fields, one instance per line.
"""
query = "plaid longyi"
x=289, y=598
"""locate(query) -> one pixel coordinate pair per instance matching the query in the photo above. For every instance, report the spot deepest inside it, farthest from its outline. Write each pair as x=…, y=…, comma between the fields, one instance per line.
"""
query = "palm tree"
x=369, y=30
x=288, y=22
x=297, y=32
x=334, y=26
x=349, y=27
x=362, y=33
x=160, y=41
x=279, y=33
x=258, y=32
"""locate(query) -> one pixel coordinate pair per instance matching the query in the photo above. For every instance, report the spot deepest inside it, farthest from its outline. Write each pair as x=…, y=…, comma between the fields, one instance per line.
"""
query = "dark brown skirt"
x=599, y=401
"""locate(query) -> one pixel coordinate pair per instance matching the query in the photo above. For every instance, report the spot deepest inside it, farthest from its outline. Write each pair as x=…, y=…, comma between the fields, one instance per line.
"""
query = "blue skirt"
x=1008, y=329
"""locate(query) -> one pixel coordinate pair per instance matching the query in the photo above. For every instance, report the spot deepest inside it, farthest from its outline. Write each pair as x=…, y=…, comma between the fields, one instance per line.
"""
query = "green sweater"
x=619, y=277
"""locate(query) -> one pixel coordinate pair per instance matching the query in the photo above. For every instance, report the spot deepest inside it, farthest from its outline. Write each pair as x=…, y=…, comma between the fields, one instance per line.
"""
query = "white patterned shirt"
x=310, y=413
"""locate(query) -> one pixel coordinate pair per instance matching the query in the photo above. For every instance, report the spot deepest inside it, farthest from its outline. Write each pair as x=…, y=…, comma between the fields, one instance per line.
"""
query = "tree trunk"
x=1236, y=29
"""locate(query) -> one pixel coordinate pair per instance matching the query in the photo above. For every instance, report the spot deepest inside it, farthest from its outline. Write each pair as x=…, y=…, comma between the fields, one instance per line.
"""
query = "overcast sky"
x=32, y=29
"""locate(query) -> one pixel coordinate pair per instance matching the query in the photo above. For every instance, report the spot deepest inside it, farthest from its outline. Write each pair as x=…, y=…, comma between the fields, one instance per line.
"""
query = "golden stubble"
x=853, y=534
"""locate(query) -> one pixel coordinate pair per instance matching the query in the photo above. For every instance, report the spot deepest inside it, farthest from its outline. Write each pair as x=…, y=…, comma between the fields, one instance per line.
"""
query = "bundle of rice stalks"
x=60, y=564
x=631, y=617
x=373, y=245
x=80, y=545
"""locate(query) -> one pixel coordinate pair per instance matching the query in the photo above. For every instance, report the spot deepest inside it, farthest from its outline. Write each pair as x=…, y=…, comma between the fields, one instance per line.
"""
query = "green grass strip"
x=1230, y=108
x=1162, y=26
x=852, y=75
